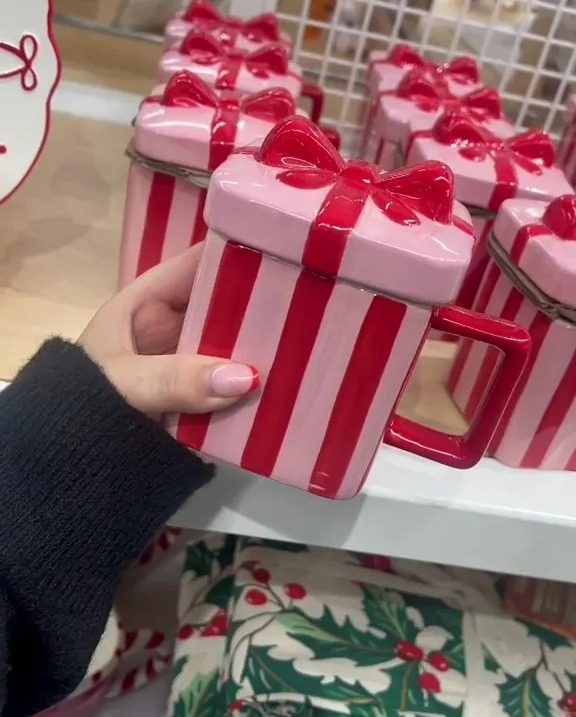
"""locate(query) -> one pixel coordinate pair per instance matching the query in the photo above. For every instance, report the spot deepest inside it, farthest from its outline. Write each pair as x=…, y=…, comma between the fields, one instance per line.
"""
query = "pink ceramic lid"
x=386, y=69
x=230, y=31
x=488, y=169
x=540, y=238
x=421, y=98
x=226, y=69
x=297, y=199
x=189, y=124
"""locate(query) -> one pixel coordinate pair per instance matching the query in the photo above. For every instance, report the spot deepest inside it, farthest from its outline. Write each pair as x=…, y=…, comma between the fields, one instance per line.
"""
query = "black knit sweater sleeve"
x=85, y=482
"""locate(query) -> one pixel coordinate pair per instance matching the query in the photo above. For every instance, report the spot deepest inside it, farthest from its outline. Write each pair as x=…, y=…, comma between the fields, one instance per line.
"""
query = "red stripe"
x=228, y=73
x=156, y=639
x=146, y=556
x=571, y=465
x=129, y=640
x=538, y=330
x=492, y=357
x=476, y=269
x=523, y=236
x=151, y=671
x=506, y=179
x=311, y=295
x=163, y=542
x=157, y=216
x=552, y=419
x=199, y=230
x=466, y=345
x=129, y=681
x=363, y=375
x=233, y=288
x=223, y=134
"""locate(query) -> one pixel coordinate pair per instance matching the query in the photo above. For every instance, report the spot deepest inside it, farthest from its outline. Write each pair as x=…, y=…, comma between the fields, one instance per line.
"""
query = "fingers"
x=170, y=282
x=180, y=383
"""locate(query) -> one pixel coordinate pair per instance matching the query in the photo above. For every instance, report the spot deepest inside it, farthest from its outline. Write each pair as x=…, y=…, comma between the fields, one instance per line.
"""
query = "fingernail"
x=233, y=379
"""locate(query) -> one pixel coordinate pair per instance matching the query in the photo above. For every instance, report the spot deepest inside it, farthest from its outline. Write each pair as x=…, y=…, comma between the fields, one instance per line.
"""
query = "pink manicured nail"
x=233, y=379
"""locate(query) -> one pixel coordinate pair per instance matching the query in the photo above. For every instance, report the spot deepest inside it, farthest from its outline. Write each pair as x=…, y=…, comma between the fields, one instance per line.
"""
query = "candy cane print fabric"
x=29, y=73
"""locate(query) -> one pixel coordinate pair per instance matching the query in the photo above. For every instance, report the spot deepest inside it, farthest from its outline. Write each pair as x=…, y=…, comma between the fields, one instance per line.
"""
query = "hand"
x=134, y=336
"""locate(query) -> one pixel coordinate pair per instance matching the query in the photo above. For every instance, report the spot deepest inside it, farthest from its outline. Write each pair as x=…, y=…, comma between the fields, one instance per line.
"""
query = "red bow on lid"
x=261, y=28
x=264, y=62
x=308, y=161
x=560, y=217
x=532, y=151
x=463, y=70
x=185, y=90
x=430, y=95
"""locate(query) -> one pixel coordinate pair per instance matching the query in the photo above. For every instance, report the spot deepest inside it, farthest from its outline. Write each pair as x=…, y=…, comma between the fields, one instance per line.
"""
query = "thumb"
x=181, y=384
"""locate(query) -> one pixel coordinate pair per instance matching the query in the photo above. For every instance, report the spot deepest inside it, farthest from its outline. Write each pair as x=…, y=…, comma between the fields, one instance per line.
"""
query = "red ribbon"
x=261, y=28
x=462, y=70
x=559, y=219
x=262, y=63
x=431, y=94
x=309, y=161
x=531, y=151
x=184, y=89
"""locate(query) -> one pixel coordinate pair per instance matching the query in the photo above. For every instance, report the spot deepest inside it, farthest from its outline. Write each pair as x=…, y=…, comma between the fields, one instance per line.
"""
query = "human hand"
x=134, y=336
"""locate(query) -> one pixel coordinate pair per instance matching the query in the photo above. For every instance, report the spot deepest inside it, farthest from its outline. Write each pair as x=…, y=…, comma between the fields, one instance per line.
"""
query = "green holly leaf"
x=387, y=614
x=490, y=662
x=327, y=639
x=436, y=612
x=202, y=696
x=548, y=637
x=523, y=697
x=220, y=593
x=180, y=708
x=225, y=554
x=178, y=666
x=454, y=653
x=199, y=560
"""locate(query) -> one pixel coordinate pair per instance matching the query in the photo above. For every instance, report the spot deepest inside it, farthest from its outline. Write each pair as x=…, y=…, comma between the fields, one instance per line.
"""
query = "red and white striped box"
x=546, y=602
x=245, y=72
x=183, y=133
x=416, y=104
x=387, y=69
x=538, y=429
x=488, y=170
x=233, y=32
x=567, y=147
x=303, y=255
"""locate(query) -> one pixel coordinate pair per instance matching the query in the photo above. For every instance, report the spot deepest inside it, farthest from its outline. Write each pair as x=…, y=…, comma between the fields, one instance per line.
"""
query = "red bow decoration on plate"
x=431, y=95
x=558, y=219
x=531, y=151
x=185, y=90
x=308, y=161
x=463, y=70
x=262, y=63
x=261, y=28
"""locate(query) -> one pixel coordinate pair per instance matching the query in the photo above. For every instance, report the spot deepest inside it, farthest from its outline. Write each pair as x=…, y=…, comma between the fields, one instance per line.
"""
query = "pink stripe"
x=181, y=221
x=136, y=207
x=391, y=385
x=319, y=386
x=271, y=296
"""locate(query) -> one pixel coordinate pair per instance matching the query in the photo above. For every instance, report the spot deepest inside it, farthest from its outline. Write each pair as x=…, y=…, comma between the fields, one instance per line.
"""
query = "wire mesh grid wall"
x=526, y=49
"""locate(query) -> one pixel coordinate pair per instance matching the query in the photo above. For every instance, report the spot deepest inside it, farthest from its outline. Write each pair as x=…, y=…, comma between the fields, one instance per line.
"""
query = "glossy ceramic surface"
x=567, y=148
x=29, y=73
x=187, y=124
x=234, y=32
x=333, y=355
x=226, y=69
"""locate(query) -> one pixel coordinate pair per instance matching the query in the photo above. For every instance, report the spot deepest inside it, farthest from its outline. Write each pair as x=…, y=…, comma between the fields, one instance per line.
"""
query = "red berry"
x=220, y=620
x=439, y=661
x=237, y=704
x=255, y=597
x=377, y=562
x=567, y=703
x=212, y=631
x=185, y=632
x=408, y=651
x=295, y=591
x=429, y=682
x=261, y=575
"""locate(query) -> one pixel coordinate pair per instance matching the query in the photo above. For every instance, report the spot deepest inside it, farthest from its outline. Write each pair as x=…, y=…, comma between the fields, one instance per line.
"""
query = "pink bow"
x=262, y=63
x=430, y=95
x=261, y=28
x=186, y=90
x=463, y=70
x=308, y=161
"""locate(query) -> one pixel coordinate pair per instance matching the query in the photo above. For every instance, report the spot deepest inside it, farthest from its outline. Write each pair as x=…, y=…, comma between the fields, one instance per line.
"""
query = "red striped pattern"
x=156, y=223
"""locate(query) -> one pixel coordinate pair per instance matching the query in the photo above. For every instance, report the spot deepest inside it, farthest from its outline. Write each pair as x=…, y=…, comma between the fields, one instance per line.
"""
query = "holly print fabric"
x=280, y=630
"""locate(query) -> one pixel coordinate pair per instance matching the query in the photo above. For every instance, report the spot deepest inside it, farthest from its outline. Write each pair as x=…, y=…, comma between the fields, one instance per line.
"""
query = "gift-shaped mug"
x=228, y=69
x=487, y=171
x=233, y=32
x=567, y=147
x=416, y=104
x=181, y=135
x=387, y=69
x=531, y=280
x=326, y=276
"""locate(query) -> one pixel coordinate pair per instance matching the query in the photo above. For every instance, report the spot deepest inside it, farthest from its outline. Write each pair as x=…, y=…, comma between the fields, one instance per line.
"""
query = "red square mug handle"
x=466, y=450
x=316, y=96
